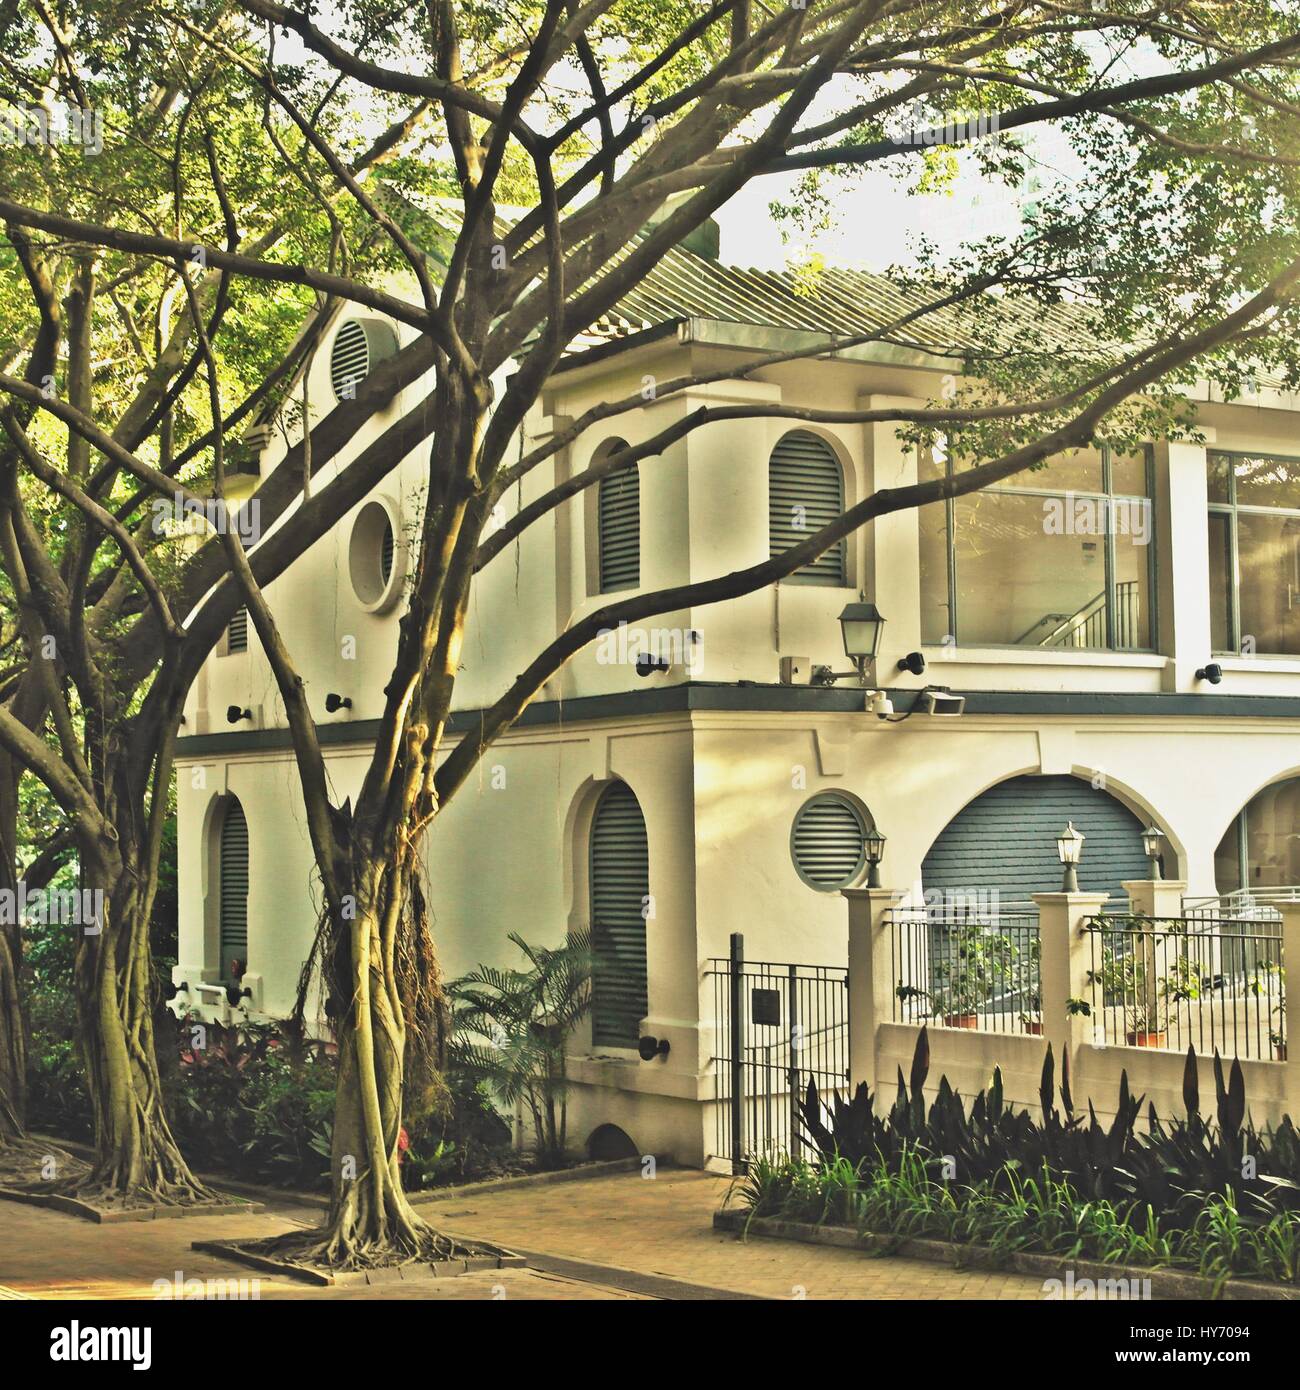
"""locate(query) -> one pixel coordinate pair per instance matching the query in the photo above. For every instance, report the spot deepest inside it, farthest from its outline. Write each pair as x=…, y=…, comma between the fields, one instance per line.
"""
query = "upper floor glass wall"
x=1058, y=558
x=1254, y=530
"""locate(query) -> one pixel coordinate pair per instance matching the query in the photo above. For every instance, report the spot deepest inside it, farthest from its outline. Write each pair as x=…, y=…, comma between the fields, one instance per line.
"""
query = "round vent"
x=828, y=842
x=360, y=346
x=374, y=560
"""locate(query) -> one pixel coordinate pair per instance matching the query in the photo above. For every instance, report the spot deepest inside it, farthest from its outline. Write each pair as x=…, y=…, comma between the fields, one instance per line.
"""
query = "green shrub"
x=1215, y=1196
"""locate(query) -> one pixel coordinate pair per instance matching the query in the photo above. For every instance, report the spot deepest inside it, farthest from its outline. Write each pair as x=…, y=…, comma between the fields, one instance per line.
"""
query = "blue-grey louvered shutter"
x=805, y=493
x=1004, y=842
x=619, y=520
x=234, y=887
x=237, y=633
x=620, y=885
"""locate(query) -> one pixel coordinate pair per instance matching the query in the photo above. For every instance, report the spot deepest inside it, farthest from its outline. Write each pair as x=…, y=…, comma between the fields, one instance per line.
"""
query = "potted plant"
x=976, y=964
x=1031, y=1018
x=1147, y=997
x=1262, y=983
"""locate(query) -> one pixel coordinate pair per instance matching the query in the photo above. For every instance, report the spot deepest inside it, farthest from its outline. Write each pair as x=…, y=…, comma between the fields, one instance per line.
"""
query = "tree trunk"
x=13, y=1041
x=137, y=1159
x=380, y=961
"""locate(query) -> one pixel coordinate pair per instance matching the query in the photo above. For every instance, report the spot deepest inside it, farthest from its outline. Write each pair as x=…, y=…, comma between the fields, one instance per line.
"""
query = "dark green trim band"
x=777, y=699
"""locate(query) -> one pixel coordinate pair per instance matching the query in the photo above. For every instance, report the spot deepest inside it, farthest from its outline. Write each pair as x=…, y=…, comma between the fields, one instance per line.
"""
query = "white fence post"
x=870, y=980
x=1063, y=969
x=1155, y=897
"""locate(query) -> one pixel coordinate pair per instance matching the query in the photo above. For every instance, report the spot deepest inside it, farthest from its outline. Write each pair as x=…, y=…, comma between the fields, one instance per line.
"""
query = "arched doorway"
x=620, y=890
x=1004, y=843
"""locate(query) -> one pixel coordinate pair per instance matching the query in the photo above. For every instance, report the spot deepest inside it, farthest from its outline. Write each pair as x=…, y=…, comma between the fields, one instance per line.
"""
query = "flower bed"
x=1213, y=1196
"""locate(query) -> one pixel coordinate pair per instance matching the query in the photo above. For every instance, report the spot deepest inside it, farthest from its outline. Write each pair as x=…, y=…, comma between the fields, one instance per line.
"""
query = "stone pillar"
x=1155, y=897
x=1063, y=969
x=870, y=983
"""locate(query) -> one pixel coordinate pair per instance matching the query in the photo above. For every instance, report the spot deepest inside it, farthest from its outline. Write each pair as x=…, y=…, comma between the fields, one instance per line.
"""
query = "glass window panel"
x=930, y=463
x=1021, y=582
x=1220, y=583
x=1268, y=553
x=1273, y=836
x=1132, y=615
x=1076, y=470
x=1218, y=468
x=934, y=571
x=1128, y=474
x=1267, y=482
x=1227, y=861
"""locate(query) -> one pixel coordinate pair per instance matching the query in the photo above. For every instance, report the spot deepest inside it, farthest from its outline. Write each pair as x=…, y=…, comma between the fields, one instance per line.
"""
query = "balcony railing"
x=1171, y=982
x=966, y=968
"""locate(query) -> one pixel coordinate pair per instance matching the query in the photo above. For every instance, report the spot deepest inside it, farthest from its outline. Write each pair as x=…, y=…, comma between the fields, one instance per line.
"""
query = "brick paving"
x=609, y=1238
x=662, y=1226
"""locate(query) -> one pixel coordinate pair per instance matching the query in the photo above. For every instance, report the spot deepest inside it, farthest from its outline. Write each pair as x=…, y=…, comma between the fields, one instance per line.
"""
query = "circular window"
x=374, y=558
x=828, y=842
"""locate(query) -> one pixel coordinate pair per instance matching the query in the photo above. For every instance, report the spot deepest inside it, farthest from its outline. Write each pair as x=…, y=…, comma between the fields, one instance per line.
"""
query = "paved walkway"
x=601, y=1238
x=662, y=1226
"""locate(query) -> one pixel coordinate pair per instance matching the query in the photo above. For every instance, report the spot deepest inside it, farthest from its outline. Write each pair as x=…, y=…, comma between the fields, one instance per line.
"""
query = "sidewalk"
x=602, y=1238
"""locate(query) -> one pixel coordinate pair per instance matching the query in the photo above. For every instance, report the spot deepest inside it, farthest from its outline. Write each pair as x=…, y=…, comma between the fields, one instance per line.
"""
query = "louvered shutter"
x=386, y=553
x=805, y=493
x=234, y=888
x=620, y=530
x=237, y=633
x=829, y=842
x=1004, y=842
x=349, y=359
x=620, y=884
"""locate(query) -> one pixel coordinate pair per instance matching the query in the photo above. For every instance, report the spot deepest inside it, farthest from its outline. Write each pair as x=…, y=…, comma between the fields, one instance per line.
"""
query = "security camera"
x=1211, y=672
x=646, y=664
x=943, y=704
x=334, y=703
x=878, y=703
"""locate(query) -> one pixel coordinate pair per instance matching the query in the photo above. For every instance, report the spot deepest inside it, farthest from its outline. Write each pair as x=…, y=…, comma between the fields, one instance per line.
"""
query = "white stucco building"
x=728, y=792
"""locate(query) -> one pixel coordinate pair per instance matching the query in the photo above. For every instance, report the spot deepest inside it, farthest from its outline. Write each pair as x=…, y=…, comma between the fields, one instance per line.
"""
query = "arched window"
x=618, y=520
x=805, y=491
x=620, y=891
x=234, y=888
x=1261, y=848
x=1004, y=843
x=829, y=842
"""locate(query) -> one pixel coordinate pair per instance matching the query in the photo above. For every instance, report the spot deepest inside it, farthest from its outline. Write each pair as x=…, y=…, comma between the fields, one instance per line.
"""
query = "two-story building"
x=1080, y=610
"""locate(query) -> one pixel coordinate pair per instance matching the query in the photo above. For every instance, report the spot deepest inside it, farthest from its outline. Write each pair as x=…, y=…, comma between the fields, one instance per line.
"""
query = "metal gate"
x=778, y=1026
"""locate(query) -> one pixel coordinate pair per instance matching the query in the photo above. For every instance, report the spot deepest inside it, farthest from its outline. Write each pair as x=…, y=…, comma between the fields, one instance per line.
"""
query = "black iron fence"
x=966, y=967
x=778, y=1026
x=1171, y=982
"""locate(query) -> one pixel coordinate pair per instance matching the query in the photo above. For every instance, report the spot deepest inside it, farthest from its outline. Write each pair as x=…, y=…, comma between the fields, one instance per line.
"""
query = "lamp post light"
x=1153, y=839
x=861, y=625
x=1069, y=845
x=875, y=843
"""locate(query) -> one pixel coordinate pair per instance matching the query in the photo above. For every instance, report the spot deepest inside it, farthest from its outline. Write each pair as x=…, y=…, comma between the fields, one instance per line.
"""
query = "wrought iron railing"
x=1175, y=982
x=966, y=968
x=778, y=1026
